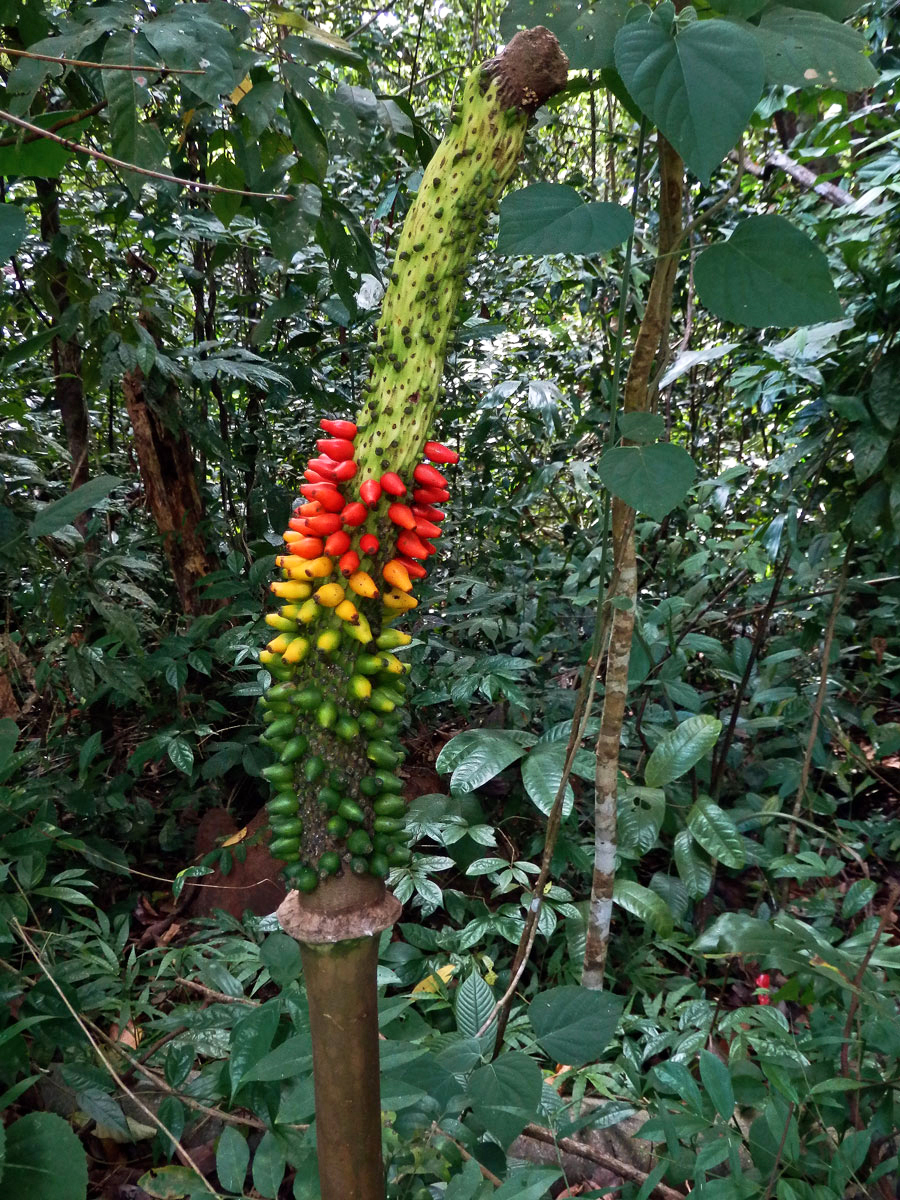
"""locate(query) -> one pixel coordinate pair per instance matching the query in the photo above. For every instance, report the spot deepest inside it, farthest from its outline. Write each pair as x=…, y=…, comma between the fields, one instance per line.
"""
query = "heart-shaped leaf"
x=551, y=218
x=652, y=479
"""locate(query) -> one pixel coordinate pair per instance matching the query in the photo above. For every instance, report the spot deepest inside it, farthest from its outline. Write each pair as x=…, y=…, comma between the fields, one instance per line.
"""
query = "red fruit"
x=431, y=495
x=325, y=466
x=429, y=546
x=329, y=497
x=370, y=492
x=300, y=524
x=762, y=980
x=414, y=569
x=348, y=562
x=368, y=543
x=425, y=529
x=339, y=429
x=340, y=449
x=764, y=999
x=412, y=545
x=314, y=476
x=429, y=476
x=428, y=513
x=307, y=547
x=354, y=514
x=440, y=454
x=393, y=484
x=401, y=515
x=325, y=523
x=344, y=471
x=337, y=543
x=310, y=509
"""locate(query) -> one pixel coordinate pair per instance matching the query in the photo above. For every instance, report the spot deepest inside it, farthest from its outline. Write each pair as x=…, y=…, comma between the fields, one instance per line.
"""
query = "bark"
x=640, y=394
x=168, y=473
x=66, y=353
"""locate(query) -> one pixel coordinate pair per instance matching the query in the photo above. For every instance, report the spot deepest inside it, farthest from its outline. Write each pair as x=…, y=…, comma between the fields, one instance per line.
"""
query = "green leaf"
x=807, y=49
x=767, y=273
x=180, y=755
x=574, y=1024
x=699, y=88
x=652, y=479
x=644, y=904
x=250, y=1040
x=477, y=755
x=541, y=774
x=53, y=517
x=587, y=34
x=696, y=873
x=41, y=158
x=870, y=447
x=505, y=1094
x=858, y=895
x=641, y=427
x=884, y=390
x=9, y=735
x=281, y=954
x=681, y=748
x=716, y=1080
x=529, y=1183
x=169, y=1183
x=13, y=228
x=716, y=833
x=269, y=1162
x=293, y=1057
x=44, y=1160
x=474, y=1001
x=551, y=218
x=127, y=92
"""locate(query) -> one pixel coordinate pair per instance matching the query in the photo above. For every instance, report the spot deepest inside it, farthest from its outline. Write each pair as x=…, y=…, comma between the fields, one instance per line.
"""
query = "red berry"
x=300, y=525
x=764, y=999
x=348, y=562
x=402, y=515
x=393, y=484
x=325, y=466
x=314, y=476
x=440, y=454
x=340, y=449
x=325, y=523
x=429, y=476
x=307, y=547
x=344, y=471
x=337, y=543
x=368, y=543
x=354, y=514
x=414, y=569
x=370, y=492
x=412, y=545
x=339, y=429
x=428, y=513
x=425, y=529
x=762, y=980
x=430, y=495
x=325, y=494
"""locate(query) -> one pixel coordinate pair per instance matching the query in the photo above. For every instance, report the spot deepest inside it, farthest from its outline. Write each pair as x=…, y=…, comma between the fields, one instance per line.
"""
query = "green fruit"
x=303, y=878
x=387, y=824
x=330, y=862
x=391, y=639
x=368, y=664
x=359, y=866
x=347, y=728
x=381, y=702
x=295, y=748
x=337, y=827
x=351, y=811
x=276, y=745
x=388, y=783
x=382, y=754
x=282, y=728
x=285, y=804
x=314, y=768
x=329, y=798
x=369, y=785
x=281, y=691
x=327, y=714
x=359, y=842
x=286, y=849
x=399, y=857
x=378, y=865
x=369, y=721
x=286, y=827
x=390, y=805
x=278, y=773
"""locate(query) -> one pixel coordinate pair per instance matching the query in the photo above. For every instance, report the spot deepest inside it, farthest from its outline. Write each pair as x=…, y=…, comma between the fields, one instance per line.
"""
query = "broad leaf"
x=505, y=1094
x=281, y=954
x=40, y=158
x=695, y=870
x=652, y=479
x=269, y=1162
x=541, y=774
x=127, y=92
x=716, y=833
x=767, y=273
x=63, y=512
x=716, y=1080
x=232, y=1159
x=641, y=427
x=699, y=87
x=44, y=1159
x=551, y=218
x=681, y=748
x=529, y=1183
x=587, y=33
x=13, y=228
x=574, y=1024
x=806, y=49
x=477, y=755
x=251, y=1038
x=474, y=1001
x=644, y=904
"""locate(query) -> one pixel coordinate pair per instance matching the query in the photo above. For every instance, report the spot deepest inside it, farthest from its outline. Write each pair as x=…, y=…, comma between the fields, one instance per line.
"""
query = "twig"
x=820, y=697
x=626, y=1170
x=163, y=1128
x=78, y=148
x=777, y=1162
x=73, y=119
x=211, y=994
x=486, y=1174
x=80, y=62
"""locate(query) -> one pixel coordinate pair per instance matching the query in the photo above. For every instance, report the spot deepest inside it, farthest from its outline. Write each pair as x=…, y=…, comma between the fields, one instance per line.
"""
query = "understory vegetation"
x=170, y=338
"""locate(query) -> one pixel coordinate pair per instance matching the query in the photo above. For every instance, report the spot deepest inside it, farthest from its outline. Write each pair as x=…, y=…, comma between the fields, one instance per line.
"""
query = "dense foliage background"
x=166, y=354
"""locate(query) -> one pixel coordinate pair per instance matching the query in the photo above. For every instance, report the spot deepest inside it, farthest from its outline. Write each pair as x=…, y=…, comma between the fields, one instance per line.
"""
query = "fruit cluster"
x=338, y=688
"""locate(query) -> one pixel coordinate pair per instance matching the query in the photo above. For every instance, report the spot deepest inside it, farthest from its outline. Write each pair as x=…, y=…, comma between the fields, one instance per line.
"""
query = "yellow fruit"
x=296, y=651
x=399, y=600
x=317, y=568
x=363, y=585
x=290, y=590
x=329, y=595
x=308, y=612
x=347, y=611
x=279, y=645
x=328, y=640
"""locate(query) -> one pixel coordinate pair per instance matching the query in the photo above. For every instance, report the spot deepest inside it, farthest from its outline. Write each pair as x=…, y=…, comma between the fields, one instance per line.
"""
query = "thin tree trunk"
x=168, y=473
x=66, y=353
x=640, y=395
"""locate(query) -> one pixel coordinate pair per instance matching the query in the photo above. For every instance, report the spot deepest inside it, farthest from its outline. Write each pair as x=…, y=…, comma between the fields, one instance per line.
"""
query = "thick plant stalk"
x=639, y=397
x=354, y=549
